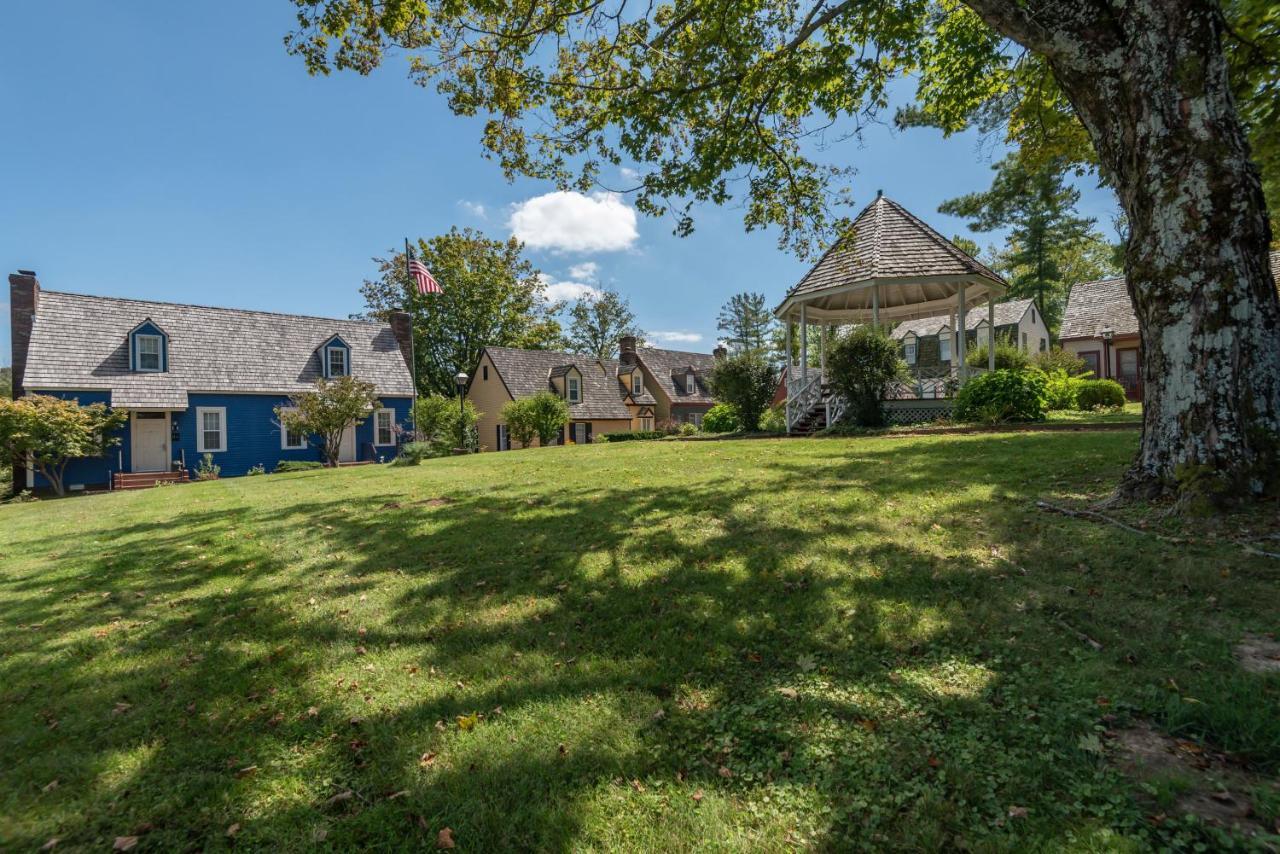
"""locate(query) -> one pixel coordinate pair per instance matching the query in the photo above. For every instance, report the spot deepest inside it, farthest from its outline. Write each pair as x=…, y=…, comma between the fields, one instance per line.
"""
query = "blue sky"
x=174, y=151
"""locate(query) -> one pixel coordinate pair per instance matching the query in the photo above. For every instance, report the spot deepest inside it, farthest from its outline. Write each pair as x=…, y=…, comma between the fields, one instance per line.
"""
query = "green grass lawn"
x=752, y=645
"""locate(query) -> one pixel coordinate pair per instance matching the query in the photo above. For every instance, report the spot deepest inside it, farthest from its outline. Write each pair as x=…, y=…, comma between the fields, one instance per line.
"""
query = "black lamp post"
x=460, y=379
x=1108, y=335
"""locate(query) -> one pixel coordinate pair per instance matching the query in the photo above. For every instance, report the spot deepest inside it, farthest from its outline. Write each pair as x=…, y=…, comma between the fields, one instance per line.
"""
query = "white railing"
x=837, y=404
x=932, y=383
x=802, y=394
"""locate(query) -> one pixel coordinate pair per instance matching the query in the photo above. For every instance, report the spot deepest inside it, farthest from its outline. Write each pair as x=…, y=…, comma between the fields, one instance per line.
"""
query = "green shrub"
x=721, y=418
x=688, y=429
x=413, y=453
x=1009, y=356
x=207, y=469
x=256, y=470
x=285, y=466
x=1100, y=394
x=774, y=419
x=745, y=382
x=1057, y=359
x=861, y=365
x=631, y=436
x=440, y=421
x=1061, y=389
x=541, y=416
x=1002, y=395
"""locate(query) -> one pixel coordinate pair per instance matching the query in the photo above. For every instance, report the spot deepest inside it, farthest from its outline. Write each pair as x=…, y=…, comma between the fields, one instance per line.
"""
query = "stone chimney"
x=627, y=349
x=402, y=328
x=720, y=352
x=24, y=296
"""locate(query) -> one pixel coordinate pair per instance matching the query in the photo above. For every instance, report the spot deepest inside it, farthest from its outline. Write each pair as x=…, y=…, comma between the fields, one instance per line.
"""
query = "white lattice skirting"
x=916, y=411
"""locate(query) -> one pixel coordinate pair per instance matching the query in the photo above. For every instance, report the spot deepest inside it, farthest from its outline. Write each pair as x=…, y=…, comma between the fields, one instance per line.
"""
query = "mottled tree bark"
x=1148, y=79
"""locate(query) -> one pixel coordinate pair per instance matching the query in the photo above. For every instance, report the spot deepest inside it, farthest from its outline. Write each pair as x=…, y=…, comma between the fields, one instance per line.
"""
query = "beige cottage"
x=679, y=381
x=602, y=396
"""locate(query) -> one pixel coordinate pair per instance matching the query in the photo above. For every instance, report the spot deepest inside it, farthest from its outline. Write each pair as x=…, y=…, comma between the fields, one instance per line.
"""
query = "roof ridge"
x=945, y=242
x=44, y=291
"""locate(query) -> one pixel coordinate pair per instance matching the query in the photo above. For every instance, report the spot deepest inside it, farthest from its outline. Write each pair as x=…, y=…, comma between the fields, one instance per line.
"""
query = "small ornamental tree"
x=440, y=421
x=747, y=383
x=51, y=432
x=324, y=414
x=541, y=416
x=861, y=365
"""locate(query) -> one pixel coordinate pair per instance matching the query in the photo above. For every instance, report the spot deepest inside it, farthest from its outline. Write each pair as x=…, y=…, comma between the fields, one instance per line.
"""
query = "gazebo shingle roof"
x=886, y=241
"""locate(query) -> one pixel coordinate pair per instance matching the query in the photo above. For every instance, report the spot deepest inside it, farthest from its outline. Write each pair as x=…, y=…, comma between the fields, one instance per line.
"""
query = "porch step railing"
x=804, y=394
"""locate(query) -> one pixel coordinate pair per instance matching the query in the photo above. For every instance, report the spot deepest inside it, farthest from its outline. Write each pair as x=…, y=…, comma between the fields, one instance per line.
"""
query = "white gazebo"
x=889, y=268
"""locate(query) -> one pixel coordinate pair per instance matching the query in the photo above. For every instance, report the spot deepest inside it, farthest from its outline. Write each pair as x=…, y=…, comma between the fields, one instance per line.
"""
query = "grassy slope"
x=863, y=634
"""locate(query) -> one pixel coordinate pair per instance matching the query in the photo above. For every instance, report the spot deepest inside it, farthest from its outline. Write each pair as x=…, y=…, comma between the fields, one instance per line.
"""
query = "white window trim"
x=573, y=389
x=284, y=437
x=201, y=448
x=690, y=384
x=944, y=338
x=909, y=351
x=328, y=362
x=159, y=339
x=391, y=429
x=637, y=383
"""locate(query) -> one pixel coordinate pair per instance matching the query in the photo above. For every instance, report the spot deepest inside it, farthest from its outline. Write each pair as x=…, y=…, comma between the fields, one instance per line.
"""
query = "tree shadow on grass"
x=876, y=671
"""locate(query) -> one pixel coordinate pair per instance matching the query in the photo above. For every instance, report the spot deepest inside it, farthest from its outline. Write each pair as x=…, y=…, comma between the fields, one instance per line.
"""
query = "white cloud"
x=585, y=270
x=558, y=290
x=572, y=222
x=474, y=208
x=675, y=337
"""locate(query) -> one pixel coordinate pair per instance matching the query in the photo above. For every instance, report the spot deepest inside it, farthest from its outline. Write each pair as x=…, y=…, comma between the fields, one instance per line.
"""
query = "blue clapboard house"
x=199, y=380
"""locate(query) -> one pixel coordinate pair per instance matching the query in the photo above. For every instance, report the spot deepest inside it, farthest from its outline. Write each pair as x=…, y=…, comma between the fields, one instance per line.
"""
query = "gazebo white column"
x=786, y=330
x=991, y=332
x=822, y=349
x=962, y=339
x=804, y=344
x=875, y=306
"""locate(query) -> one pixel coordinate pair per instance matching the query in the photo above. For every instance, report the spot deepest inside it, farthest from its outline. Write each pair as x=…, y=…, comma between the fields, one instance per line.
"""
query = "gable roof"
x=1007, y=314
x=527, y=372
x=886, y=241
x=81, y=342
x=667, y=365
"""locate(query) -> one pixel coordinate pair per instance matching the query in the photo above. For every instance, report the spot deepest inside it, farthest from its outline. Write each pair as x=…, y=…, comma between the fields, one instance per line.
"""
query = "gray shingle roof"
x=1093, y=306
x=81, y=342
x=886, y=242
x=1007, y=314
x=668, y=365
x=527, y=372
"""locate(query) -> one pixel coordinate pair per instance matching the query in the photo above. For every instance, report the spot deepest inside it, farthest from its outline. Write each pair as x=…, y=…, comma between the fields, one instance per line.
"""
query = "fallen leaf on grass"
x=789, y=693
x=233, y=830
x=935, y=762
x=124, y=843
x=1017, y=812
x=725, y=772
x=466, y=723
x=697, y=796
x=121, y=708
x=399, y=794
x=339, y=798
x=50, y=786
x=427, y=759
x=51, y=844
x=445, y=838
x=246, y=771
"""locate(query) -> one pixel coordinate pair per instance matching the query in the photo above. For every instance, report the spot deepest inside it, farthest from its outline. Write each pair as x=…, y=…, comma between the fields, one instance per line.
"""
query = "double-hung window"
x=637, y=383
x=944, y=346
x=690, y=384
x=574, y=389
x=337, y=362
x=909, y=352
x=290, y=439
x=384, y=427
x=149, y=347
x=211, y=429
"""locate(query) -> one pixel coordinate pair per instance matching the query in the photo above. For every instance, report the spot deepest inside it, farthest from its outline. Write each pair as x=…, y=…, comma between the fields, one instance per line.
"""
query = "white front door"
x=150, y=451
x=347, y=449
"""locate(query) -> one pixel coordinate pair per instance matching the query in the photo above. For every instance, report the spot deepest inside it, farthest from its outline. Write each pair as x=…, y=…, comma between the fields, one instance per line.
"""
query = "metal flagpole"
x=413, y=358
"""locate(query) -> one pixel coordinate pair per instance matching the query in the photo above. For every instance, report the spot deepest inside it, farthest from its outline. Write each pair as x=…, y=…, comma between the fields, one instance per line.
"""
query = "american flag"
x=427, y=283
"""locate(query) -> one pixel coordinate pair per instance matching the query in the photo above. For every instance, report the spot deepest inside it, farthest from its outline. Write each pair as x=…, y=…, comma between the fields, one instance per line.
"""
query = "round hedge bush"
x=1002, y=395
x=1099, y=394
x=721, y=418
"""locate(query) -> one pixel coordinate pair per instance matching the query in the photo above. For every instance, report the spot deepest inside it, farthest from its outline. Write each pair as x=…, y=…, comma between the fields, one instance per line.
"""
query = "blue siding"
x=148, y=328
x=253, y=437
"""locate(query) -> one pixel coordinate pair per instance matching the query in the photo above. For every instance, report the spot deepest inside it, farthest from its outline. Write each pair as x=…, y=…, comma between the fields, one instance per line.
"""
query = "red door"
x=1129, y=372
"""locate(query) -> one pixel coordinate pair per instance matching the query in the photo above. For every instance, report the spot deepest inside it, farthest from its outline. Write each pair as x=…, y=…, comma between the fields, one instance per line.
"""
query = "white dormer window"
x=944, y=346
x=149, y=349
x=337, y=362
x=637, y=383
x=909, y=351
x=690, y=384
x=573, y=389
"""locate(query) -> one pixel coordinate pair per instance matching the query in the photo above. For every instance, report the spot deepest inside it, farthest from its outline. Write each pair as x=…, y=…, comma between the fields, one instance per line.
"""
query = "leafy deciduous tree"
x=491, y=296
x=541, y=416
x=746, y=382
x=700, y=93
x=51, y=432
x=598, y=322
x=861, y=365
x=324, y=414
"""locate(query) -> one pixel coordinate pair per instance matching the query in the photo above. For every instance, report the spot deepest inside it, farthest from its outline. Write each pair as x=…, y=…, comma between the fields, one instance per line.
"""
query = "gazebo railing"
x=936, y=382
x=803, y=394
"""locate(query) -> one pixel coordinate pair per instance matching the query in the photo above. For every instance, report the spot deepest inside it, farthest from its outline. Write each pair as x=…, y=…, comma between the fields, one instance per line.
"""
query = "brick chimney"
x=627, y=349
x=402, y=328
x=24, y=296
x=720, y=352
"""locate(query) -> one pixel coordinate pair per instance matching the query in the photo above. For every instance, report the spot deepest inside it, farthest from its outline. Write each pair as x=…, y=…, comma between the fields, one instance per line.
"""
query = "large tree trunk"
x=1148, y=79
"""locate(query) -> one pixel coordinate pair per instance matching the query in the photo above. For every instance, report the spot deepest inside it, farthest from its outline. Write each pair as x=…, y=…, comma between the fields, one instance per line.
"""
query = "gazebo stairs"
x=146, y=479
x=815, y=417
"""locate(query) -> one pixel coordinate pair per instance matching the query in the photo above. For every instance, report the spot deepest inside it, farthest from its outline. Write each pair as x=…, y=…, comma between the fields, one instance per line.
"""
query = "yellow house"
x=679, y=381
x=603, y=396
